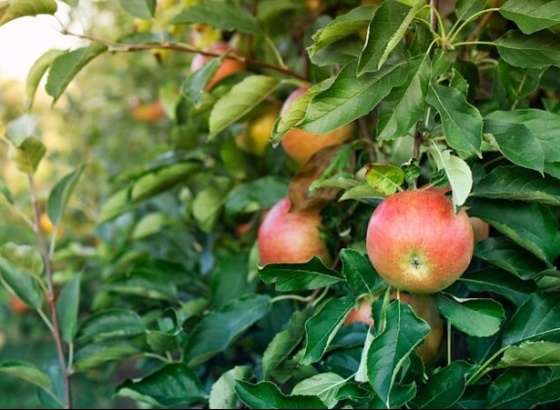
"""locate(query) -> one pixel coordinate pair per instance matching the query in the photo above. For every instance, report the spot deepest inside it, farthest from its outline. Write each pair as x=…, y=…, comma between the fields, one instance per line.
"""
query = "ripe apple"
x=149, y=112
x=291, y=237
x=425, y=308
x=256, y=136
x=228, y=67
x=300, y=145
x=417, y=243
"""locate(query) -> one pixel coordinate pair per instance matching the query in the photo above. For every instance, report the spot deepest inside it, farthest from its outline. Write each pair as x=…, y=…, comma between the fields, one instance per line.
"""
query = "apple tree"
x=455, y=97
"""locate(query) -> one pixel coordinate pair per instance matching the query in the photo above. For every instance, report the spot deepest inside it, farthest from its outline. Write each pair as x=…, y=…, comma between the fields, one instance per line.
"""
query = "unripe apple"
x=417, y=242
x=291, y=237
x=228, y=67
x=300, y=145
x=424, y=306
x=256, y=136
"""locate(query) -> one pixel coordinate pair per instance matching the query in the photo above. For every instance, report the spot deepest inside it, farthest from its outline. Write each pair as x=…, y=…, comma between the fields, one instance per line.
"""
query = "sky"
x=24, y=40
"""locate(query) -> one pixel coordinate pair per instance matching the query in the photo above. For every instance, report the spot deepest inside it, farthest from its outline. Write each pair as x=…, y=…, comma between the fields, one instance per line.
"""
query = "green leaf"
x=266, y=395
x=6, y=193
x=66, y=66
x=24, y=8
x=220, y=15
x=465, y=9
x=514, y=183
x=537, y=50
x=240, y=100
x=21, y=128
x=403, y=332
x=172, y=386
x=143, y=9
x=26, y=371
x=461, y=121
x=322, y=327
x=144, y=282
x=531, y=354
x=209, y=202
x=150, y=224
x=222, y=394
x=111, y=323
x=531, y=16
x=359, y=273
x=324, y=385
x=349, y=97
x=25, y=257
x=458, y=173
x=256, y=195
x=536, y=319
x=290, y=277
x=21, y=284
x=36, y=73
x=445, y=386
x=386, y=29
x=67, y=307
x=194, y=85
x=530, y=225
x=386, y=179
x=475, y=317
x=28, y=154
x=284, y=342
x=61, y=193
x=404, y=106
x=217, y=330
x=95, y=354
x=524, y=388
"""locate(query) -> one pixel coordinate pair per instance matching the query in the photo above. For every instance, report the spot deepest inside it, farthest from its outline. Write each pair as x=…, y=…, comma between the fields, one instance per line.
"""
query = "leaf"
x=536, y=319
x=21, y=284
x=240, y=100
x=531, y=16
x=467, y=8
x=325, y=386
x=111, y=323
x=6, y=193
x=208, y=203
x=405, y=104
x=23, y=127
x=461, y=121
x=531, y=354
x=217, y=330
x=537, y=50
x=24, y=8
x=194, y=85
x=26, y=371
x=475, y=317
x=28, y=154
x=173, y=385
x=26, y=258
x=61, y=193
x=143, y=9
x=524, y=388
x=530, y=225
x=403, y=332
x=458, y=173
x=95, y=354
x=514, y=183
x=266, y=395
x=386, y=179
x=220, y=15
x=386, y=29
x=321, y=328
x=256, y=195
x=349, y=97
x=222, y=393
x=36, y=72
x=66, y=66
x=67, y=307
x=290, y=277
x=144, y=282
x=284, y=342
x=359, y=273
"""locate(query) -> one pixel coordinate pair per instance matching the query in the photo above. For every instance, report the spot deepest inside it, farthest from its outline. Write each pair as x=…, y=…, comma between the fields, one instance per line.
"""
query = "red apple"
x=228, y=67
x=417, y=243
x=291, y=237
x=300, y=145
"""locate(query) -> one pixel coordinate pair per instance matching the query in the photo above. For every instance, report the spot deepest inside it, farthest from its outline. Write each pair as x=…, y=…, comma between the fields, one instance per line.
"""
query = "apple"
x=228, y=67
x=18, y=306
x=481, y=229
x=424, y=306
x=291, y=237
x=300, y=145
x=149, y=112
x=256, y=136
x=417, y=242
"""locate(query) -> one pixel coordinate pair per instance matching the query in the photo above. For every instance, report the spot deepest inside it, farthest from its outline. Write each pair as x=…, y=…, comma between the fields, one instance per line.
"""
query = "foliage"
x=161, y=299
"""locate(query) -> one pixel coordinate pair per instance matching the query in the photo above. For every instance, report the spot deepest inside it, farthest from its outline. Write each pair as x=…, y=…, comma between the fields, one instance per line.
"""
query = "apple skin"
x=228, y=67
x=300, y=145
x=417, y=243
x=424, y=307
x=481, y=229
x=290, y=237
x=256, y=137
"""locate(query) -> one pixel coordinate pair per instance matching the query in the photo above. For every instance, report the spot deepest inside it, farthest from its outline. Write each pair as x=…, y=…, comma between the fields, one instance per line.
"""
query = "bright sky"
x=23, y=40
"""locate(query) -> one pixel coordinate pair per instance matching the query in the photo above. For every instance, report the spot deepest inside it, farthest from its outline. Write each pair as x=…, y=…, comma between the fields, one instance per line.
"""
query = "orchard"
x=297, y=204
